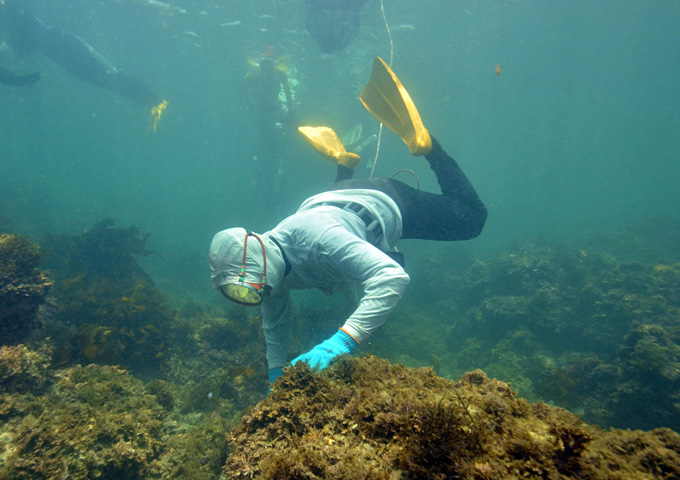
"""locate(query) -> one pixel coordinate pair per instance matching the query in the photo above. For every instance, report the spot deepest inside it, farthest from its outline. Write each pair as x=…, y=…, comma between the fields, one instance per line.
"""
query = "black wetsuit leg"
x=133, y=89
x=83, y=61
x=455, y=214
x=8, y=77
x=343, y=173
x=28, y=33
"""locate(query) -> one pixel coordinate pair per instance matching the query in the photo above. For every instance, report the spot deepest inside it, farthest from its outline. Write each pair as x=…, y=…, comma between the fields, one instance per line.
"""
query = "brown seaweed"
x=365, y=418
x=23, y=287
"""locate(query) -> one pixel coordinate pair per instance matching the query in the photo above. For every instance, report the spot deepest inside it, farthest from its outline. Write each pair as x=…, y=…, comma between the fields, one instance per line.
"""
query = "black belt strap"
x=360, y=211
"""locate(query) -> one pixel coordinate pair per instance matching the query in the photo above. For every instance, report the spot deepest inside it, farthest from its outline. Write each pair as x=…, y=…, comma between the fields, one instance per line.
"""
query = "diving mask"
x=244, y=294
x=247, y=293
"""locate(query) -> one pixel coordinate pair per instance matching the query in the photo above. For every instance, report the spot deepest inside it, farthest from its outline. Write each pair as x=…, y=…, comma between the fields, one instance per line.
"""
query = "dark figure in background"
x=26, y=34
x=333, y=23
x=8, y=77
x=263, y=87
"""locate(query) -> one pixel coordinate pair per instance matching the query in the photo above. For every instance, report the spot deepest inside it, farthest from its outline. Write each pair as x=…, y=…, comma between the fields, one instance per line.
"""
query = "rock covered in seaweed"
x=564, y=323
x=23, y=370
x=96, y=422
x=368, y=419
x=23, y=287
x=118, y=314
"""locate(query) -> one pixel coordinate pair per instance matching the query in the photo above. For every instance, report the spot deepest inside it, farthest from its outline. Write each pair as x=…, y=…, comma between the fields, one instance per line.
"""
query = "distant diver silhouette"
x=8, y=77
x=333, y=24
x=27, y=33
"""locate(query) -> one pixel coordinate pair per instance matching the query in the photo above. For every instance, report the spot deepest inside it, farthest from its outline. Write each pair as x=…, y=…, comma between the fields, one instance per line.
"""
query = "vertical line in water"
x=389, y=34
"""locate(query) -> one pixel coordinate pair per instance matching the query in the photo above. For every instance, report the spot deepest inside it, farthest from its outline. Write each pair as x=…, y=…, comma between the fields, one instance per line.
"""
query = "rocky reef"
x=23, y=287
x=97, y=422
x=109, y=311
x=23, y=370
x=70, y=406
x=564, y=323
x=101, y=379
x=368, y=419
x=217, y=366
x=361, y=418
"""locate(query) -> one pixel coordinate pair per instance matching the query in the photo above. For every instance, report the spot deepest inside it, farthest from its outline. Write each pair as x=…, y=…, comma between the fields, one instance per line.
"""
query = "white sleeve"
x=382, y=279
x=276, y=315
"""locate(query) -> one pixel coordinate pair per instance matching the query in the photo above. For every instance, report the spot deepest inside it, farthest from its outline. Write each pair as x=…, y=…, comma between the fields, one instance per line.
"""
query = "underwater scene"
x=525, y=153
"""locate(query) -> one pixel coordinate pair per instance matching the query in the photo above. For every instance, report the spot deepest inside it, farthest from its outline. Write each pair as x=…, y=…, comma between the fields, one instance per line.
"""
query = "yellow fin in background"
x=281, y=64
x=326, y=142
x=388, y=101
x=156, y=113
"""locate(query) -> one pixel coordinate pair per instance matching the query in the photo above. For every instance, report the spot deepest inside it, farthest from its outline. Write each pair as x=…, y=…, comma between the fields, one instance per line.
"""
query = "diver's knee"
x=477, y=224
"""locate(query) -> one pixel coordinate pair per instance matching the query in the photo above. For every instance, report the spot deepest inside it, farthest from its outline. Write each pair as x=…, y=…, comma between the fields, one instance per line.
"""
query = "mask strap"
x=242, y=273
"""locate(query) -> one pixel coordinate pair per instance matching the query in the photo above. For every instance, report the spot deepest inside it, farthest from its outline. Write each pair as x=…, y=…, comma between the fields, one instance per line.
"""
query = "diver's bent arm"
x=276, y=315
x=382, y=279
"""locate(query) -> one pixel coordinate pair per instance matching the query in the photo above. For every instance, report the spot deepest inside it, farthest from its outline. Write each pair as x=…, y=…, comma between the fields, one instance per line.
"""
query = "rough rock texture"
x=22, y=286
x=97, y=422
x=368, y=419
x=564, y=324
x=109, y=310
x=23, y=370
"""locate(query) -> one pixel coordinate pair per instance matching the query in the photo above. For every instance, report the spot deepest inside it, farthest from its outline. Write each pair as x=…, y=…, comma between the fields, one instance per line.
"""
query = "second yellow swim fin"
x=156, y=113
x=326, y=142
x=388, y=101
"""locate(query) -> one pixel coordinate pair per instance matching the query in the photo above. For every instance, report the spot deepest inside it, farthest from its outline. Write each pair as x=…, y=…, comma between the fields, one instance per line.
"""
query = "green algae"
x=94, y=423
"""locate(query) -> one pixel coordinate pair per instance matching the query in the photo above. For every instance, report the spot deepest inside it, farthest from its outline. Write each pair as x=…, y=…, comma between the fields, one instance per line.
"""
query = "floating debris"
x=166, y=7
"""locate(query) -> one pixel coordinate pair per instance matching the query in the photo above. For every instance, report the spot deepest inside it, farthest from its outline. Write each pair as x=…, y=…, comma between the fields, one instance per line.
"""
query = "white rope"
x=389, y=34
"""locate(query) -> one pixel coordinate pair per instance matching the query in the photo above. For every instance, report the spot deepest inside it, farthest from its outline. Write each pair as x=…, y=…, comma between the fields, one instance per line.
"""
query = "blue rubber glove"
x=275, y=373
x=323, y=354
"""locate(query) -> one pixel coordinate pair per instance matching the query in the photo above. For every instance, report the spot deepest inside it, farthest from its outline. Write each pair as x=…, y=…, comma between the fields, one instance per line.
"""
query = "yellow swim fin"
x=326, y=142
x=388, y=101
x=156, y=113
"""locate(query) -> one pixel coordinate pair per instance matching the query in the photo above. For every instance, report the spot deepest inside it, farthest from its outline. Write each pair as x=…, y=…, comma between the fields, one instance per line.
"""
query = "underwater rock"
x=564, y=323
x=117, y=311
x=368, y=419
x=218, y=363
x=95, y=422
x=163, y=393
x=98, y=422
x=23, y=287
x=23, y=370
